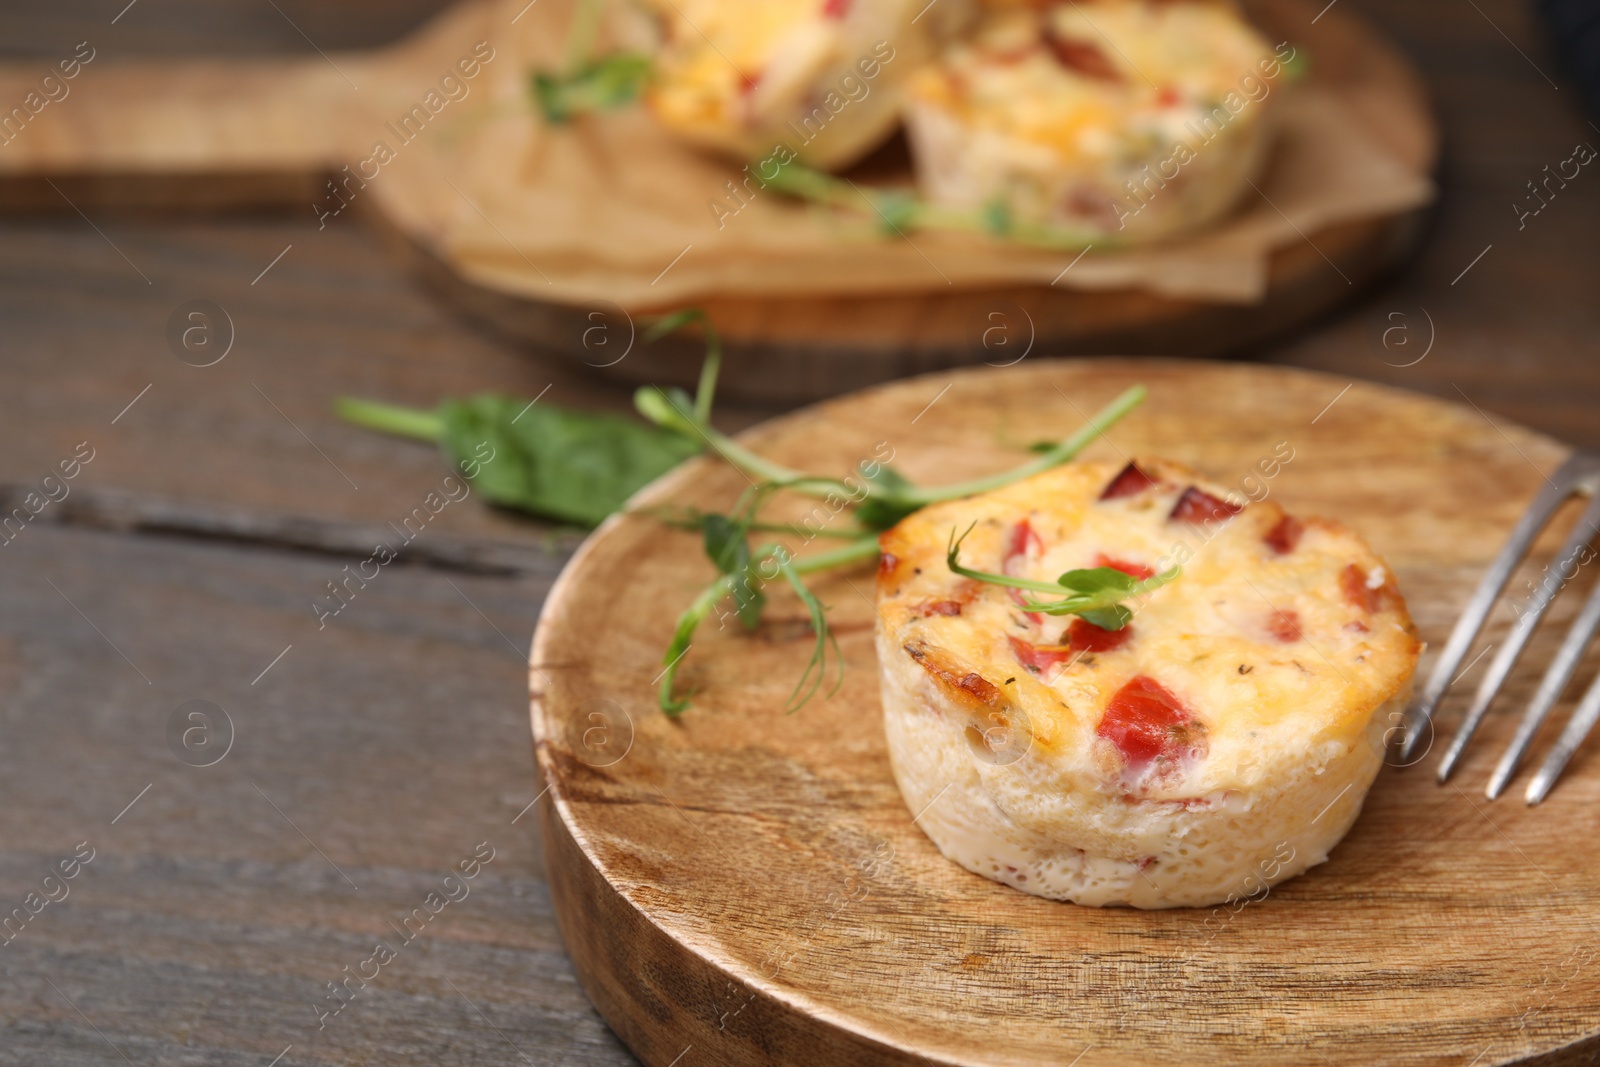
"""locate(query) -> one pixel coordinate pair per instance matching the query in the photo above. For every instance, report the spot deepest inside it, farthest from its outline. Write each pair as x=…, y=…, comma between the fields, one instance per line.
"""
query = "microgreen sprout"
x=589, y=82
x=745, y=572
x=885, y=497
x=1094, y=593
x=581, y=467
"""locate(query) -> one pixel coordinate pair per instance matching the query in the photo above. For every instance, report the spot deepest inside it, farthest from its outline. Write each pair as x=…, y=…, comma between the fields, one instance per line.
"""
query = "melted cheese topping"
x=822, y=77
x=1269, y=653
x=718, y=51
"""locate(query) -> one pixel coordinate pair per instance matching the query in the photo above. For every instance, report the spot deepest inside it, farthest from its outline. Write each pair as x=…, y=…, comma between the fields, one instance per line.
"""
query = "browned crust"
x=966, y=687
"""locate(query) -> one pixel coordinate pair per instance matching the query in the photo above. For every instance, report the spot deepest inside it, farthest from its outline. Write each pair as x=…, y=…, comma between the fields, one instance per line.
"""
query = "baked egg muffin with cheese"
x=1138, y=119
x=822, y=77
x=1214, y=745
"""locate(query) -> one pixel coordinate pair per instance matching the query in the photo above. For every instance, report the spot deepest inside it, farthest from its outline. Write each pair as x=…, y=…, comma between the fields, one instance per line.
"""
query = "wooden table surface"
x=371, y=757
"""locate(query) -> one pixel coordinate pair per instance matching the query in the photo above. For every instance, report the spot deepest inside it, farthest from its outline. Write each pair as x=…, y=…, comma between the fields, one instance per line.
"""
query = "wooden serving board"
x=232, y=133
x=742, y=886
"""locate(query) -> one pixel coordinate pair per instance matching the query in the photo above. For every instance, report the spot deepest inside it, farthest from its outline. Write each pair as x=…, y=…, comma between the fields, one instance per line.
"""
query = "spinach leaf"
x=890, y=504
x=575, y=466
x=572, y=466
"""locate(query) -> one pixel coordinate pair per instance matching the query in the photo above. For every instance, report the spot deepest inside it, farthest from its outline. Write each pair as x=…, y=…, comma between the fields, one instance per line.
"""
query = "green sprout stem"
x=682, y=640
x=1095, y=593
x=666, y=412
x=1065, y=450
x=1084, y=604
x=707, y=389
x=816, y=672
x=897, y=210
x=391, y=419
x=583, y=31
x=858, y=551
x=855, y=552
x=695, y=520
x=671, y=414
x=656, y=406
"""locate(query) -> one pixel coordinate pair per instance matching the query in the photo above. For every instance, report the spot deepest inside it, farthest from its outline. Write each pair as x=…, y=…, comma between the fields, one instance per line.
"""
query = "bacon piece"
x=1131, y=481
x=980, y=688
x=1084, y=57
x=1168, y=96
x=1284, y=536
x=1023, y=539
x=887, y=562
x=1147, y=723
x=1038, y=658
x=940, y=607
x=1284, y=626
x=1353, y=583
x=1197, y=506
x=1021, y=601
x=1132, y=570
x=1085, y=636
x=835, y=9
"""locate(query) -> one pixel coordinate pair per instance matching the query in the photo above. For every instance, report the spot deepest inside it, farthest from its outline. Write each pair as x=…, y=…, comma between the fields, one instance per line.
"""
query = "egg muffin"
x=1138, y=119
x=822, y=78
x=1218, y=743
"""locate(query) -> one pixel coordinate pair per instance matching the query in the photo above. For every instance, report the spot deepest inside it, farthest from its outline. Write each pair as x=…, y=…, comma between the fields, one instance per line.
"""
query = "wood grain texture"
x=217, y=133
x=251, y=444
x=751, y=884
x=383, y=749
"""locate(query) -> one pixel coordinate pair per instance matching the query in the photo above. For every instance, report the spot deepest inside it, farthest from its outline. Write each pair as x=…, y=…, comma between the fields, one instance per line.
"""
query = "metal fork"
x=1580, y=474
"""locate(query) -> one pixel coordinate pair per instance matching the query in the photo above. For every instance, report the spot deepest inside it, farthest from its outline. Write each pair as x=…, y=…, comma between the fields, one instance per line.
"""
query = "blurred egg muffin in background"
x=1135, y=118
x=822, y=77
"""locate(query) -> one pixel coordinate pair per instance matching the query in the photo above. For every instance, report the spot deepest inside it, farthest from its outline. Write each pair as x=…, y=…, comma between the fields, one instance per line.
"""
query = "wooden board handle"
x=175, y=117
x=183, y=117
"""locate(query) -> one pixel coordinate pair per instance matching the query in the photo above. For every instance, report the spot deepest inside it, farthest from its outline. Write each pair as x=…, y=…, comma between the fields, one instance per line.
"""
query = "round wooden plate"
x=742, y=886
x=226, y=134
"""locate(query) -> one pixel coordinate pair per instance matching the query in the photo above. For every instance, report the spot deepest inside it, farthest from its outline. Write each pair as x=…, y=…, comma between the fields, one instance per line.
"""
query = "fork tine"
x=1516, y=641
x=1556, y=490
x=1551, y=687
x=1578, y=727
x=1493, y=679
